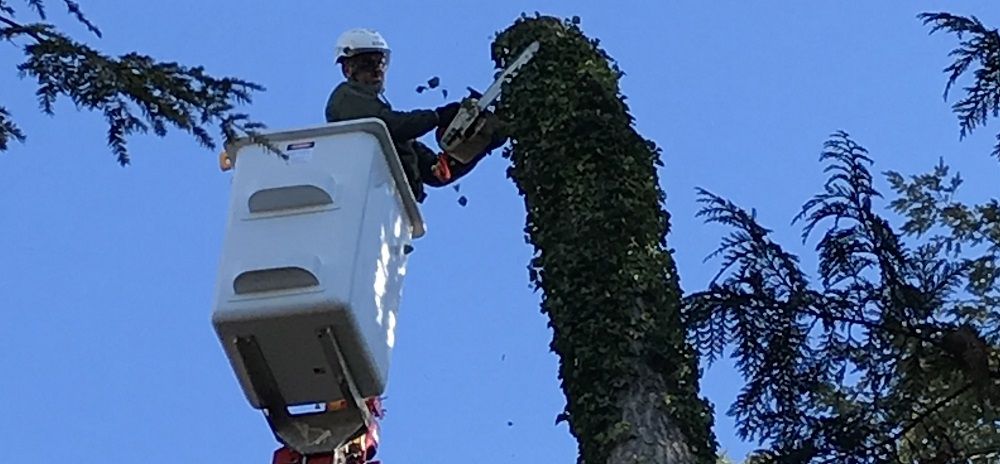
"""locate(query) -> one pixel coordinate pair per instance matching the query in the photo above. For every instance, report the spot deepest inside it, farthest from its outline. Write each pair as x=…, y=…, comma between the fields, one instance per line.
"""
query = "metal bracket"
x=309, y=433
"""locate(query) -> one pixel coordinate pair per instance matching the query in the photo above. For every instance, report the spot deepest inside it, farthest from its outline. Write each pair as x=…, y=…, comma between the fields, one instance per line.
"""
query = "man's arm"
x=347, y=103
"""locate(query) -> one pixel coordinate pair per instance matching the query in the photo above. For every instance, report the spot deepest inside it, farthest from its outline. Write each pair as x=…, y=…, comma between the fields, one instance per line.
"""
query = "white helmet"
x=357, y=41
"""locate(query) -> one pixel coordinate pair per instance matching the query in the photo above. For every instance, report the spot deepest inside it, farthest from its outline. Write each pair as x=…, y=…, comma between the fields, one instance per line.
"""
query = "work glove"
x=446, y=113
x=442, y=168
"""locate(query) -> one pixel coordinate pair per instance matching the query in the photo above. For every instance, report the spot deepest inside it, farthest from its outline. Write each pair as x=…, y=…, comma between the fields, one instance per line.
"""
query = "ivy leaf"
x=462, y=200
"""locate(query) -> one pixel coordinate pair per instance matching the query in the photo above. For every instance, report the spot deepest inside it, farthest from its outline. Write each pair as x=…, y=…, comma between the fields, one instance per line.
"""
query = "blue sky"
x=107, y=273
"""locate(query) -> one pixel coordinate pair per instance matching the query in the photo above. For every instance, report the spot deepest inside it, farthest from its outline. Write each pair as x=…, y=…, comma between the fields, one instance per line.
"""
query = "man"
x=363, y=56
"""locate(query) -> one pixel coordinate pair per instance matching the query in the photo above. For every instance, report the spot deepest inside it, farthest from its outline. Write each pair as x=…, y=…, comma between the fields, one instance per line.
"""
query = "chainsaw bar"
x=472, y=115
x=494, y=90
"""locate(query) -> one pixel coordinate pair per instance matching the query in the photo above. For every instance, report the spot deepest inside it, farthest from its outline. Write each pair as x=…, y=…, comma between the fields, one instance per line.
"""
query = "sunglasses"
x=370, y=62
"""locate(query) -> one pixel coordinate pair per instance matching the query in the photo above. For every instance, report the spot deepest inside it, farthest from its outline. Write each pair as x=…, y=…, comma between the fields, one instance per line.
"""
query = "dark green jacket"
x=353, y=100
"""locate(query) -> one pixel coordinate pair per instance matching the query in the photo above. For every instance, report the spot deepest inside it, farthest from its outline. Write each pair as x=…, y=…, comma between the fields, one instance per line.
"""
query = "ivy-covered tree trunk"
x=595, y=218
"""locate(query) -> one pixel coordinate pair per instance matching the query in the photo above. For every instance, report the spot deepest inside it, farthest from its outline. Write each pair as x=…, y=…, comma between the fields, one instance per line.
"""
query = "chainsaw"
x=472, y=128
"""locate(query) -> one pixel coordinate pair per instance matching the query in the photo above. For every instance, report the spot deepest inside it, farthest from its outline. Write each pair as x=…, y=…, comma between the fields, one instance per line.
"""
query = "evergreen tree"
x=133, y=92
x=980, y=50
x=890, y=353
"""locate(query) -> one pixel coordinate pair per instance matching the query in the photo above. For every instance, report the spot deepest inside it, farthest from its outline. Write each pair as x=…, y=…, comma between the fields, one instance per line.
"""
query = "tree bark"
x=658, y=439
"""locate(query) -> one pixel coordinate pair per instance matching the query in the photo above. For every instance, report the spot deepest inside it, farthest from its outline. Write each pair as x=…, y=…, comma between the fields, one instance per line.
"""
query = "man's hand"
x=446, y=113
x=225, y=163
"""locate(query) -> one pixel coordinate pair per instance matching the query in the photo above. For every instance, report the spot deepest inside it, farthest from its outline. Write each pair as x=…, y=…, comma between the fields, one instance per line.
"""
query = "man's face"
x=368, y=68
